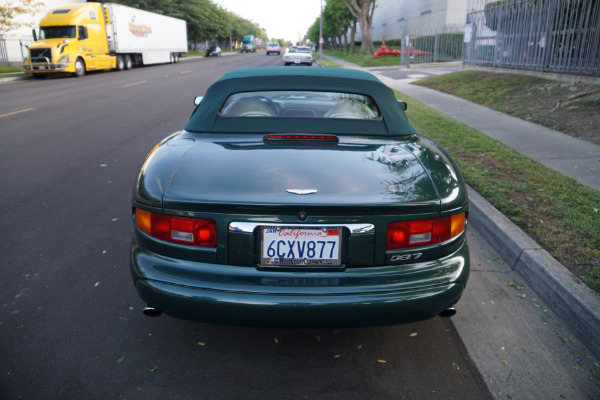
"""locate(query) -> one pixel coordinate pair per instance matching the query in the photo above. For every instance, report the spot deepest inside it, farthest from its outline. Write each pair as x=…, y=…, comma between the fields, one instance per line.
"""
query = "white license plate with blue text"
x=301, y=246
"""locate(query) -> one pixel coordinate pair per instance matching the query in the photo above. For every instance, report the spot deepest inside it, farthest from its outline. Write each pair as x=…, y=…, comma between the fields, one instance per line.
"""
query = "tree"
x=10, y=9
x=363, y=11
x=339, y=19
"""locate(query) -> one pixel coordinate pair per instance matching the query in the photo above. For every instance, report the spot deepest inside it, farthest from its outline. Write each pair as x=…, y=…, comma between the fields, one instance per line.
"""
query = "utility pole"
x=321, y=32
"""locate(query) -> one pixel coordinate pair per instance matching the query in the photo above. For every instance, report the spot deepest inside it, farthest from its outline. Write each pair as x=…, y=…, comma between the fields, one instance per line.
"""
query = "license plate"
x=296, y=61
x=42, y=67
x=293, y=246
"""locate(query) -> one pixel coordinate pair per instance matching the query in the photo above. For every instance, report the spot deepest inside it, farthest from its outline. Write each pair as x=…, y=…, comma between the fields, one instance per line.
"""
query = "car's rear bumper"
x=234, y=295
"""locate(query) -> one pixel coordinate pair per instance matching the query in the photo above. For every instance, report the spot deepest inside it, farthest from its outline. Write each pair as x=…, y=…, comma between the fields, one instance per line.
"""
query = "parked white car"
x=298, y=55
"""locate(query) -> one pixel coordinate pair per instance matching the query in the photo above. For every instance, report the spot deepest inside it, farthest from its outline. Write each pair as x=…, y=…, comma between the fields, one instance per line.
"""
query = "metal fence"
x=560, y=36
x=434, y=45
x=13, y=50
x=426, y=45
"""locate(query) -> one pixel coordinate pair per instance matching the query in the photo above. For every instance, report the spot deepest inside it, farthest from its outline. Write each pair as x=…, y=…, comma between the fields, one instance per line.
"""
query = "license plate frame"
x=301, y=246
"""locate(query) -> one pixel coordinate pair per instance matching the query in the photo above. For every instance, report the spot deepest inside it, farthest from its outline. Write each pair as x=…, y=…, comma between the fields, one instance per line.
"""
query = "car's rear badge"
x=302, y=191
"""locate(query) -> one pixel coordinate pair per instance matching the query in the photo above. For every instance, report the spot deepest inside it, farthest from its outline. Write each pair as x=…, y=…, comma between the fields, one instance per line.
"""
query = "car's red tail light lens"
x=302, y=137
x=190, y=231
x=424, y=232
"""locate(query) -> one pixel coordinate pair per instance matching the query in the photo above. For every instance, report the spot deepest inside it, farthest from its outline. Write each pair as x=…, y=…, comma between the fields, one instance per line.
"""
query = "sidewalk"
x=571, y=300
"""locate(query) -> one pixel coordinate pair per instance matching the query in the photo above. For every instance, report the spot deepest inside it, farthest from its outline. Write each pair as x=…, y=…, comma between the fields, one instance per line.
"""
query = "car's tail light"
x=424, y=232
x=191, y=231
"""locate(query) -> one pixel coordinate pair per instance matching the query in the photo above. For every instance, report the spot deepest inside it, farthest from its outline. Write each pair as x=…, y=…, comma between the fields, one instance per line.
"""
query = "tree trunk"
x=366, y=43
x=353, y=38
x=363, y=11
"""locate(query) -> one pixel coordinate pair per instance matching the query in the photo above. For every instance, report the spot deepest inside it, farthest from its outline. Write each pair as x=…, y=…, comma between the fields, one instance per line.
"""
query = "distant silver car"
x=273, y=48
x=298, y=55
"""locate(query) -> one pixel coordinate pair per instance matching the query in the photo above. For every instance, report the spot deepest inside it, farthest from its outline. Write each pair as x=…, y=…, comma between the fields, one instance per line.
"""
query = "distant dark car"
x=299, y=197
x=273, y=48
x=213, y=51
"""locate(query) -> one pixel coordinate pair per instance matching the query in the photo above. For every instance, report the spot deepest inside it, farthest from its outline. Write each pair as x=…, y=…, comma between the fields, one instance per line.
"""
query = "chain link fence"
x=559, y=36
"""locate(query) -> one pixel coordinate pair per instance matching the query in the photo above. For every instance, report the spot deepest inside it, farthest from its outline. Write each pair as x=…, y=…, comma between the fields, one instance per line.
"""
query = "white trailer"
x=147, y=37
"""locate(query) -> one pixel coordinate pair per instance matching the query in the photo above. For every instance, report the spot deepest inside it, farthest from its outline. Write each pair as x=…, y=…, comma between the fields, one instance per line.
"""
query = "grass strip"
x=326, y=62
x=5, y=69
x=559, y=213
x=364, y=61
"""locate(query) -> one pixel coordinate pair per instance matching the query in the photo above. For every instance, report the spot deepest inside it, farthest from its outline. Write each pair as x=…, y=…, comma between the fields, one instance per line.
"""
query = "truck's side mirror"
x=34, y=34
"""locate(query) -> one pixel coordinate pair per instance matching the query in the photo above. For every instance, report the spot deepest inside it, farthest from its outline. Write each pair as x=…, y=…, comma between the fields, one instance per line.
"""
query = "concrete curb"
x=14, y=78
x=569, y=298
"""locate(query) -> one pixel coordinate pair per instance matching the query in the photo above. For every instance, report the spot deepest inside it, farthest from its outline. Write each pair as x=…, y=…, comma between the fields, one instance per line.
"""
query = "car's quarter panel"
x=156, y=171
x=444, y=173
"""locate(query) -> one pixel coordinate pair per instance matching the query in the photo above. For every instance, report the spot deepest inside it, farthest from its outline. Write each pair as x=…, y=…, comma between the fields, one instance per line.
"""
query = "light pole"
x=321, y=32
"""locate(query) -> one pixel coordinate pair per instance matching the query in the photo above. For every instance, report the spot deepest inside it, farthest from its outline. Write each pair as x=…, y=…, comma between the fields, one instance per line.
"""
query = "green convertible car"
x=299, y=198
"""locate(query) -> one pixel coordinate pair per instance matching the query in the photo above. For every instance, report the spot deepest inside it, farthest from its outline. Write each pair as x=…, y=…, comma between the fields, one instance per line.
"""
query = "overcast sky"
x=281, y=19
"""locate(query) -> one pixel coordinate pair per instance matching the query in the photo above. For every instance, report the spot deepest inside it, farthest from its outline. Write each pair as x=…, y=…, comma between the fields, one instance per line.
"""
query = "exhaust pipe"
x=151, y=311
x=448, y=312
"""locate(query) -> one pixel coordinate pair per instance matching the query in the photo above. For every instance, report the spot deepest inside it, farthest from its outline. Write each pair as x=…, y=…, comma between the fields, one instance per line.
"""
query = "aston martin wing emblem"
x=302, y=191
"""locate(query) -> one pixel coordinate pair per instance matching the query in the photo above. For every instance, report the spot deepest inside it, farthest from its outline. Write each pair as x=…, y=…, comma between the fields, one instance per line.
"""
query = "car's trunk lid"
x=365, y=173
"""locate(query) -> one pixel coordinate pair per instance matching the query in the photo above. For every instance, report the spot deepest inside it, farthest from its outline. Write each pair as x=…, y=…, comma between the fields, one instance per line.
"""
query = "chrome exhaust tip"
x=151, y=311
x=448, y=312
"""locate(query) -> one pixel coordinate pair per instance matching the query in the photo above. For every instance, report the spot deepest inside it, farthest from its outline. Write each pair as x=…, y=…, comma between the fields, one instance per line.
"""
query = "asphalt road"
x=71, y=325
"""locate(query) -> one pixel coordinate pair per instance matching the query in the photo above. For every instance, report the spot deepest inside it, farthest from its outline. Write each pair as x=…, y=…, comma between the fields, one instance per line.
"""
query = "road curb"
x=566, y=295
x=14, y=78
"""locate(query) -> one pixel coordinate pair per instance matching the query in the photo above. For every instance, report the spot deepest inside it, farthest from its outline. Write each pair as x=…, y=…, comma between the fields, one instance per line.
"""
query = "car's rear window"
x=303, y=104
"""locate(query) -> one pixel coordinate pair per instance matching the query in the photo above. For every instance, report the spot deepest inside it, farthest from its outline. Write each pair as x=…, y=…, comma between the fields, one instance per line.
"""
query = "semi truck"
x=75, y=38
x=248, y=45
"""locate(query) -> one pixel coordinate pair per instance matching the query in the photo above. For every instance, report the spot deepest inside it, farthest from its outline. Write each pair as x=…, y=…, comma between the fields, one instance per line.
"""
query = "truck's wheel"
x=128, y=62
x=120, y=63
x=79, y=68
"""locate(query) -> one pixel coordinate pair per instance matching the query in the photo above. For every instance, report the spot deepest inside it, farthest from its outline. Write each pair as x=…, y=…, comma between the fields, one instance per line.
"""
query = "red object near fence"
x=383, y=51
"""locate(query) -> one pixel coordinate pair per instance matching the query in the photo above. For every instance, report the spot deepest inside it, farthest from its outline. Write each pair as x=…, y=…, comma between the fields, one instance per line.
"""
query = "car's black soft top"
x=206, y=116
